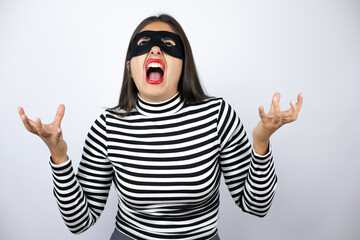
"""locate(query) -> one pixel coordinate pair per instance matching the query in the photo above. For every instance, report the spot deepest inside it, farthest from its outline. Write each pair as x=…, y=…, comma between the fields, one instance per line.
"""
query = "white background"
x=72, y=52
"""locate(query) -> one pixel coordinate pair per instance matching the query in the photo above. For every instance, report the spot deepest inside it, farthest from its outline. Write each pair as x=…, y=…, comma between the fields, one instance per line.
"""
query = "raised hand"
x=273, y=120
x=51, y=133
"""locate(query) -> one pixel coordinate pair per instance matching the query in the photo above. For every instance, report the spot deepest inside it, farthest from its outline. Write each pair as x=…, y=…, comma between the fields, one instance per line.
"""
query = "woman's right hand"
x=51, y=134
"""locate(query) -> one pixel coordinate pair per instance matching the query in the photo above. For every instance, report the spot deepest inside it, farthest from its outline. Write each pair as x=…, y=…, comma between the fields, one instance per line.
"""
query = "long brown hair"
x=189, y=85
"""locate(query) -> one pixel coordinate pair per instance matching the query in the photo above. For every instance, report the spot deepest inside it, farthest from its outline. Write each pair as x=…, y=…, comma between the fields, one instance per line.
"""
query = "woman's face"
x=154, y=84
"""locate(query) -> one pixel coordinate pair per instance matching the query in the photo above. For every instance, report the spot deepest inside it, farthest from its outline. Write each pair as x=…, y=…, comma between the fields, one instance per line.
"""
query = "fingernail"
x=275, y=98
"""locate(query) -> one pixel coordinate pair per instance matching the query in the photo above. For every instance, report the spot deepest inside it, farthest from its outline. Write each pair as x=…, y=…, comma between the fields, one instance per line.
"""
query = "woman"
x=165, y=146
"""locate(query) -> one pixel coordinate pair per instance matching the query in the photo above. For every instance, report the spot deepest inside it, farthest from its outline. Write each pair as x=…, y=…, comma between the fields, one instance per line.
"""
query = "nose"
x=155, y=51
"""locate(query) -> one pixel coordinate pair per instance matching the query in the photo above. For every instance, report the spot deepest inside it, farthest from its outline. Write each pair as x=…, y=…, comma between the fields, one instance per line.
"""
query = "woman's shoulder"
x=117, y=113
x=211, y=103
x=208, y=100
x=107, y=114
x=220, y=103
x=215, y=100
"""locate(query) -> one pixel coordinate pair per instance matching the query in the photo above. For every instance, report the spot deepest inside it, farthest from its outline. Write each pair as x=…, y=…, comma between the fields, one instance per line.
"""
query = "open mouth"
x=155, y=69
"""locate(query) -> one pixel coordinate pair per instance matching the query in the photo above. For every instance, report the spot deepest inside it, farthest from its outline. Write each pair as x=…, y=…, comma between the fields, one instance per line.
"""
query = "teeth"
x=154, y=65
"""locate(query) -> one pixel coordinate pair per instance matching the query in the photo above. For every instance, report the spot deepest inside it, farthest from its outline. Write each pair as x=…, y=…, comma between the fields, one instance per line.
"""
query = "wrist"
x=261, y=147
x=261, y=140
x=59, y=159
x=260, y=134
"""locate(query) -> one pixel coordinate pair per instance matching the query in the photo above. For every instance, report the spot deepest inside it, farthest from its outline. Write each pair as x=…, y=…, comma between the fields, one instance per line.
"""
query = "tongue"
x=154, y=76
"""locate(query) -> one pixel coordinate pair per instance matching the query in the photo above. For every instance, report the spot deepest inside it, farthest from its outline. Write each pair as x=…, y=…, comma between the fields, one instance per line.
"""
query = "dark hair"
x=189, y=85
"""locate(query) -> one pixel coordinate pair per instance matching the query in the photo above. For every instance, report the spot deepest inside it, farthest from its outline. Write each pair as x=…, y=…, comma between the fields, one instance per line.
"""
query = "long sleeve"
x=81, y=197
x=250, y=178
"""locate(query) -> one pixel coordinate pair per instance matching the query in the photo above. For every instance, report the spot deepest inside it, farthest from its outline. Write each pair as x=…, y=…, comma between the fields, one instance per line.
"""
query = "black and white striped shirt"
x=165, y=160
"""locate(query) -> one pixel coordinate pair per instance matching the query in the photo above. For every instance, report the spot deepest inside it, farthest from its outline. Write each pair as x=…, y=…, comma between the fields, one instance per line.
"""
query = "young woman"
x=164, y=146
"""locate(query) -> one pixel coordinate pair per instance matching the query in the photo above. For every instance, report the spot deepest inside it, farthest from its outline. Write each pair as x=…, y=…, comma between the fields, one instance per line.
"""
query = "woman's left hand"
x=273, y=120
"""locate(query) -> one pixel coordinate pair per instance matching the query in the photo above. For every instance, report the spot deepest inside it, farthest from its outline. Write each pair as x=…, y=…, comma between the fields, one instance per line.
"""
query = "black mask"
x=167, y=41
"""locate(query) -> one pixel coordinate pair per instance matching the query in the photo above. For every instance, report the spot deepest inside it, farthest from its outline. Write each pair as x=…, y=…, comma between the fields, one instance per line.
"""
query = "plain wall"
x=72, y=52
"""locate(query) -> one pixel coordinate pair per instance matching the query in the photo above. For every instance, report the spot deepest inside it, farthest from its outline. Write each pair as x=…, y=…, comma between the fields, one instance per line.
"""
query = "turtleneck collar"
x=169, y=106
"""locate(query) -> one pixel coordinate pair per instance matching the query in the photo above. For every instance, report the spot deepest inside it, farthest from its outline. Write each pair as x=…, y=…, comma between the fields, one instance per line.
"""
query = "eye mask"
x=167, y=41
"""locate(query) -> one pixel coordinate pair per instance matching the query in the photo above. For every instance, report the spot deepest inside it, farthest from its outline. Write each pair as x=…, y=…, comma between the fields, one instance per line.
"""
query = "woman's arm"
x=249, y=172
x=249, y=177
x=81, y=197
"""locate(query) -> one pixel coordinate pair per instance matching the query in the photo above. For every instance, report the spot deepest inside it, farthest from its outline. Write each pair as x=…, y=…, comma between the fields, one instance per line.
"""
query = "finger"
x=277, y=96
x=262, y=114
x=27, y=123
x=286, y=115
x=58, y=133
x=59, y=114
x=41, y=129
x=22, y=114
x=21, y=111
x=276, y=107
x=294, y=110
x=38, y=126
x=299, y=102
x=291, y=114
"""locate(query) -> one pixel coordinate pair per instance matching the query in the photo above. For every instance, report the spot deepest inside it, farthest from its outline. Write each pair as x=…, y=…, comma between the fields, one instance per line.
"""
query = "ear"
x=128, y=67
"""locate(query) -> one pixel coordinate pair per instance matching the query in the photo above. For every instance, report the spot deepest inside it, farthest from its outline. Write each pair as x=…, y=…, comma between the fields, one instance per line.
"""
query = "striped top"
x=165, y=160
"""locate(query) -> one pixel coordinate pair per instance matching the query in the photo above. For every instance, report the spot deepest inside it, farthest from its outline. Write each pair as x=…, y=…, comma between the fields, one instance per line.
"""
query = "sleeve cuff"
x=59, y=166
x=262, y=157
x=63, y=172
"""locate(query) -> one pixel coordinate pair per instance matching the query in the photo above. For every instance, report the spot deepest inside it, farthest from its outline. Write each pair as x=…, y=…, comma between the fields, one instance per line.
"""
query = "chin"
x=157, y=93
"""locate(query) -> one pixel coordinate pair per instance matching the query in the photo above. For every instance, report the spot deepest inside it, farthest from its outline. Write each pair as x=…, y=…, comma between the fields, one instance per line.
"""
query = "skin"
x=173, y=67
x=52, y=133
x=272, y=121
